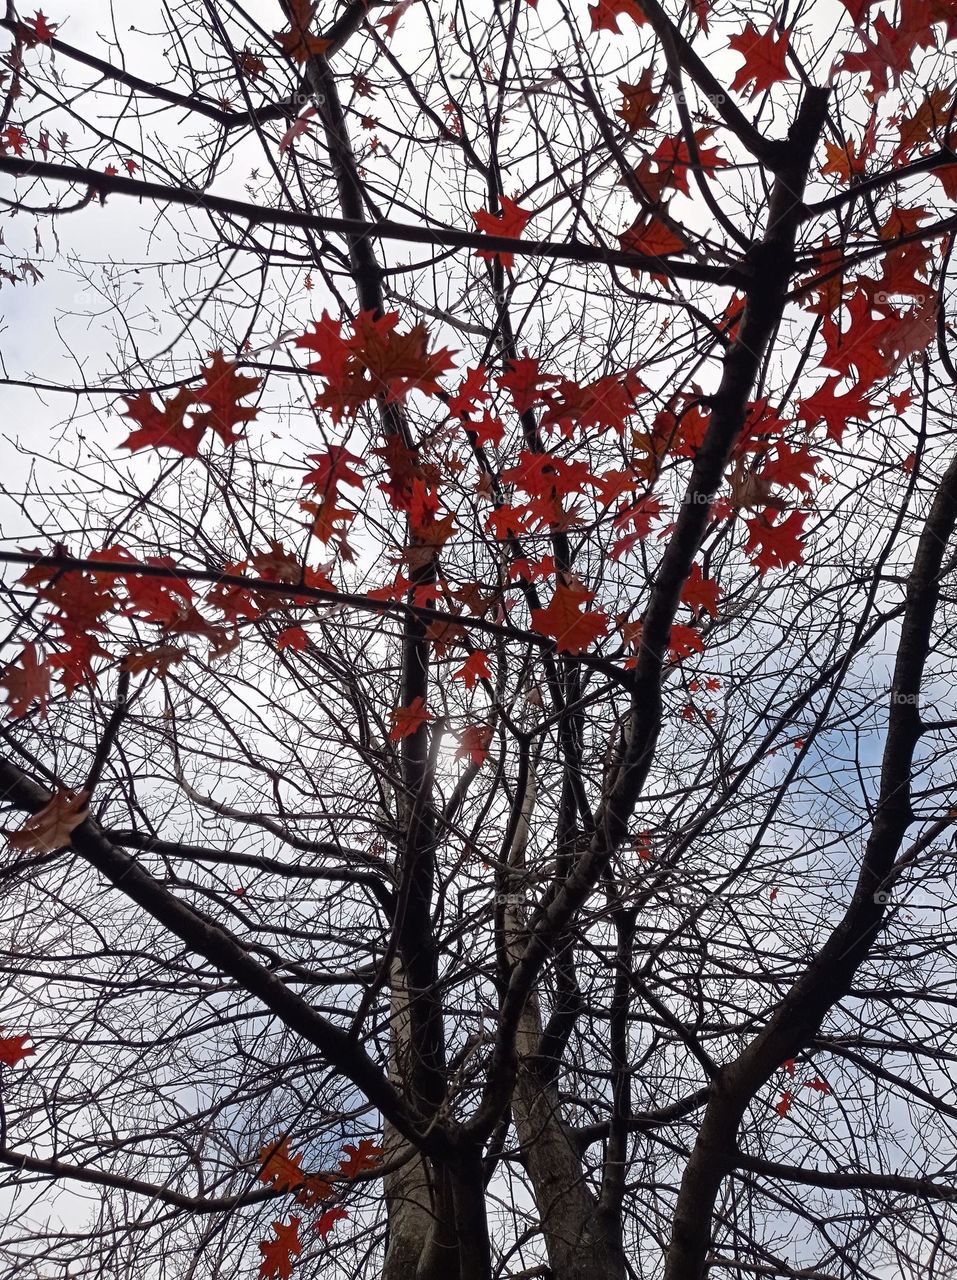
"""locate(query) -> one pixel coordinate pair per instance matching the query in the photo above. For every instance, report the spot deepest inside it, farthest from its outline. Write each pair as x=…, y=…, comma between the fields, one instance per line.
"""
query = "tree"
x=479, y=753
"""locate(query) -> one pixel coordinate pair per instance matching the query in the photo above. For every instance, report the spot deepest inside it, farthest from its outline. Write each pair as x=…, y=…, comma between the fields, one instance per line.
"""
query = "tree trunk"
x=580, y=1242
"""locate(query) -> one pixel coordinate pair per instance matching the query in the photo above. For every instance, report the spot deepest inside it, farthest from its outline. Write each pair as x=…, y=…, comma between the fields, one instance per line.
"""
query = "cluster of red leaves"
x=284, y=1172
x=375, y=361
x=869, y=329
x=787, y=1099
x=84, y=601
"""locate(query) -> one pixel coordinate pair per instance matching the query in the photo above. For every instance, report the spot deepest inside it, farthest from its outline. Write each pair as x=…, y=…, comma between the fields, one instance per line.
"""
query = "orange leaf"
x=358, y=1159
x=511, y=221
x=763, y=58
x=474, y=668
x=572, y=629
x=278, y=1254
x=26, y=681
x=50, y=828
x=284, y=1171
x=297, y=43
x=651, y=237
x=473, y=743
x=408, y=720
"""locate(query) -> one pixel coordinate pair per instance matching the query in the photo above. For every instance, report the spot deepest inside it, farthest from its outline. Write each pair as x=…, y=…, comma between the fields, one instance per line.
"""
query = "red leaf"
x=333, y=468
x=13, y=138
x=700, y=593
x=857, y=9
x=396, y=362
x=474, y=668
x=391, y=20
x=673, y=157
x=471, y=392
x=683, y=642
x=473, y=743
x=563, y=619
x=37, y=30
x=835, y=410
x=887, y=54
x=278, y=1254
x=790, y=467
x=780, y=544
x=13, y=1049
x=523, y=381
x=26, y=681
x=784, y=1106
x=763, y=58
x=605, y=14
x=292, y=638
x=328, y=343
x=408, y=720
x=162, y=428
x=298, y=129
x=511, y=221
x=819, y=1085
x=328, y=1220
x=221, y=392
x=358, y=1159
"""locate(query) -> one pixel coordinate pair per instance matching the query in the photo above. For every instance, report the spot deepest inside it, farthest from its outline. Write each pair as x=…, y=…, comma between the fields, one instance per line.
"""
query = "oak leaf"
x=284, y=1171
x=637, y=102
x=360, y=1158
x=328, y=1219
x=474, y=743
x=572, y=629
x=474, y=668
x=408, y=720
x=36, y=30
x=26, y=681
x=163, y=428
x=763, y=55
x=298, y=43
x=220, y=393
x=13, y=1049
x=278, y=1254
x=511, y=220
x=52, y=826
x=780, y=544
x=605, y=14
x=651, y=237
